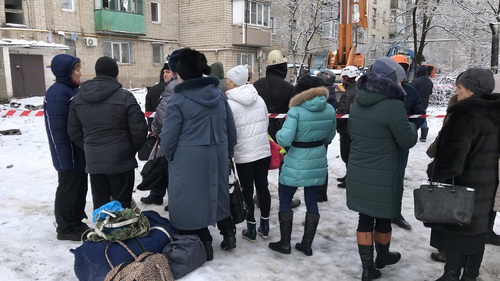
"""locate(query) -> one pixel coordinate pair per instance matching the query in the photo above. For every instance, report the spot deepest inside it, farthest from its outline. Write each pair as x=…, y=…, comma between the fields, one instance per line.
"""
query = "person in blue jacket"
x=310, y=126
x=67, y=158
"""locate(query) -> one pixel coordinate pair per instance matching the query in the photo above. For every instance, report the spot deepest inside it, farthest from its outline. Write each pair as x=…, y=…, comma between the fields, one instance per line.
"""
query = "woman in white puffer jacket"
x=252, y=152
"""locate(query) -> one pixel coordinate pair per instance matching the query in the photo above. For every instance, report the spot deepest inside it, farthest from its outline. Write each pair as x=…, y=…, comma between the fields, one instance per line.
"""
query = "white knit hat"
x=238, y=74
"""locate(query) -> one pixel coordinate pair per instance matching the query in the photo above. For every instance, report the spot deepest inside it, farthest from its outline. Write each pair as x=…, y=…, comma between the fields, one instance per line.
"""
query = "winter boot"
x=365, y=249
x=263, y=229
x=228, y=231
x=471, y=267
x=310, y=227
x=423, y=134
x=249, y=233
x=209, y=250
x=384, y=257
x=452, y=267
x=295, y=203
x=286, y=223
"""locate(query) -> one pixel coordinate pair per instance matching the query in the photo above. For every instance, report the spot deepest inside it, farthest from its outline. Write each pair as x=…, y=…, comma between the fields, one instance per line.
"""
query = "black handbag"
x=154, y=173
x=443, y=203
x=239, y=208
x=147, y=147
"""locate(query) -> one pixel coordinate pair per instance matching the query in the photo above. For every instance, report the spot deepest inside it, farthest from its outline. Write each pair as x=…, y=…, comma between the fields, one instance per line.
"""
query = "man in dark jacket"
x=424, y=86
x=154, y=93
x=68, y=160
x=276, y=92
x=349, y=75
x=413, y=105
x=107, y=122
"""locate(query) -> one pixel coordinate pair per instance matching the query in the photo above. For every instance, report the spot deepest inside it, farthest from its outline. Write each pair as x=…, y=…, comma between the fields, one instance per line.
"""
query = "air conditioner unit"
x=90, y=41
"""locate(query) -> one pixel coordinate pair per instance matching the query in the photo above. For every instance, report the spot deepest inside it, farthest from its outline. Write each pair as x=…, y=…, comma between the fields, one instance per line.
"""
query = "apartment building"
x=139, y=34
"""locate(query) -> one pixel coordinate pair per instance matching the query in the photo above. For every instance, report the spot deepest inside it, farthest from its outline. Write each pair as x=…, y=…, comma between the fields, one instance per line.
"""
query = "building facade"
x=140, y=34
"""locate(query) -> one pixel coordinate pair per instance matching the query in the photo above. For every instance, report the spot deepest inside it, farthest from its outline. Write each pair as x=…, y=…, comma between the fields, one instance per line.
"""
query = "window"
x=245, y=58
x=374, y=18
x=68, y=5
x=272, y=25
x=258, y=13
x=328, y=30
x=155, y=12
x=14, y=12
x=126, y=6
x=157, y=54
x=120, y=51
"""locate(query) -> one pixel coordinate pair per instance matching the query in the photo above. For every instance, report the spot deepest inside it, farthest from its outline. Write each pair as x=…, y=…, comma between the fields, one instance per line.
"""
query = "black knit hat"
x=173, y=59
x=192, y=64
x=307, y=82
x=478, y=80
x=165, y=67
x=106, y=66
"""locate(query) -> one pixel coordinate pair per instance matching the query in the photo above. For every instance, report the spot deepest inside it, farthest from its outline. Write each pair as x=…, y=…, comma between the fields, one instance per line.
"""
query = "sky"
x=30, y=250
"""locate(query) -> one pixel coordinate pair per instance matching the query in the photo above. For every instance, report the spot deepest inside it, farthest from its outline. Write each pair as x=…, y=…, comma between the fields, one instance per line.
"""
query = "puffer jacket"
x=107, y=122
x=65, y=155
x=156, y=125
x=251, y=120
x=309, y=119
x=379, y=129
x=467, y=150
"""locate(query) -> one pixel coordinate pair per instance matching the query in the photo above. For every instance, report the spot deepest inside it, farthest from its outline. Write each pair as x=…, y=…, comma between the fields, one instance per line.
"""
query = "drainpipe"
x=495, y=27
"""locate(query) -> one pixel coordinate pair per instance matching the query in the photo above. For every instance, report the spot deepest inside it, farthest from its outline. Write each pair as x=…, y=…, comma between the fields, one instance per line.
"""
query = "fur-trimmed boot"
x=365, y=249
x=384, y=257
x=286, y=223
x=250, y=234
x=263, y=229
x=310, y=227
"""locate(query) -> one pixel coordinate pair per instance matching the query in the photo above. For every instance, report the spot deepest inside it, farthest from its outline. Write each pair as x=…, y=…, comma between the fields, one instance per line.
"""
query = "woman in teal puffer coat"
x=379, y=129
x=309, y=126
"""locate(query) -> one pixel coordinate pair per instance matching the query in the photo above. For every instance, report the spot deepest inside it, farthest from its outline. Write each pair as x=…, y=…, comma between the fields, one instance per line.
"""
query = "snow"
x=30, y=250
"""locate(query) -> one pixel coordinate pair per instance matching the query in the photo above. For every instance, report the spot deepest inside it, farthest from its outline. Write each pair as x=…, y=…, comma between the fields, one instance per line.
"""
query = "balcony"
x=109, y=21
x=255, y=36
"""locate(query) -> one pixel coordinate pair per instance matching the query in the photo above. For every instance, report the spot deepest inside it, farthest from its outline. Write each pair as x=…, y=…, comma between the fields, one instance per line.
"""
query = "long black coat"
x=423, y=84
x=468, y=150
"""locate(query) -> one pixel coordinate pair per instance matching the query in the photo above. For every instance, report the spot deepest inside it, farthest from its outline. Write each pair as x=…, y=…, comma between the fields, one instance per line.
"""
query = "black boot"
x=401, y=222
x=209, y=250
x=250, y=234
x=228, y=231
x=423, y=134
x=286, y=223
x=369, y=270
x=439, y=256
x=471, y=267
x=263, y=229
x=384, y=257
x=310, y=227
x=452, y=267
x=492, y=238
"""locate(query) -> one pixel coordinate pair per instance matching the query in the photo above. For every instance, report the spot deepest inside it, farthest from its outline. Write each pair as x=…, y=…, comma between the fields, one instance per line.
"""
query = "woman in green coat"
x=379, y=129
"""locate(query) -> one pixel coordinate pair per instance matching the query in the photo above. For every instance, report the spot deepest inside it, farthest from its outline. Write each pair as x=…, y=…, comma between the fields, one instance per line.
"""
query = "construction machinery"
x=352, y=15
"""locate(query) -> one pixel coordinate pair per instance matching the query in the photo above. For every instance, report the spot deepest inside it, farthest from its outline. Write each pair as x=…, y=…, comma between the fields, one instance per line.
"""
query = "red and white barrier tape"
x=39, y=113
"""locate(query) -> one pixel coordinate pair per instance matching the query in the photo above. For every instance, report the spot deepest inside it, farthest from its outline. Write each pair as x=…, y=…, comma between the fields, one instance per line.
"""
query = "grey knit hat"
x=478, y=80
x=389, y=68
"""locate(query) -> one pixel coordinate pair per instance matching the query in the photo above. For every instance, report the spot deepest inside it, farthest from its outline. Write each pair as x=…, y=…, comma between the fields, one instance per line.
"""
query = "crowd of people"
x=204, y=118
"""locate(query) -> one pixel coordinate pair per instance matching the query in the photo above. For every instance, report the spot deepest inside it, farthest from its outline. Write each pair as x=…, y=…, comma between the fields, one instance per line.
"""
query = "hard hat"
x=400, y=59
x=275, y=57
x=350, y=71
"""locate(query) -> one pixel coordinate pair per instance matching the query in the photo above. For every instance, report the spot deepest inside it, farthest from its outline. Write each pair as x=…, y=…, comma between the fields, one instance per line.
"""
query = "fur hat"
x=478, y=80
x=238, y=75
x=106, y=66
x=389, y=68
x=173, y=59
x=192, y=64
x=307, y=82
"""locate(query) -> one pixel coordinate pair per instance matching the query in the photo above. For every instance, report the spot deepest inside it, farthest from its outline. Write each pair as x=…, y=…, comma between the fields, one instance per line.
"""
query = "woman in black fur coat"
x=468, y=151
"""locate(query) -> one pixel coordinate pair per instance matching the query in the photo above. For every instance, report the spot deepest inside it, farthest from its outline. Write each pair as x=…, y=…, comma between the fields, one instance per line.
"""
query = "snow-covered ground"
x=29, y=249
